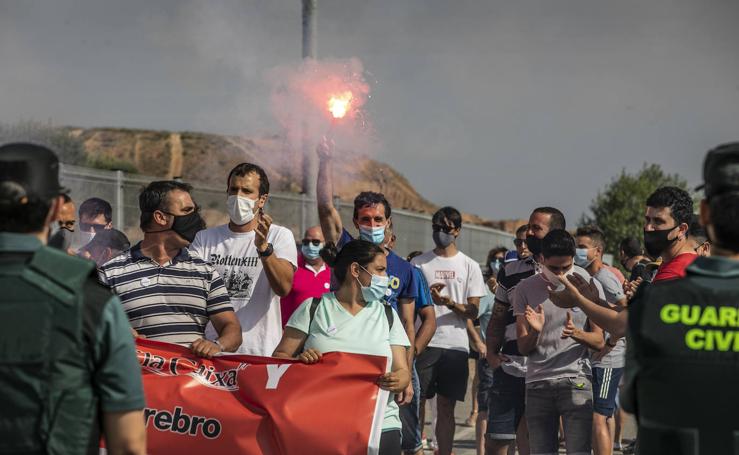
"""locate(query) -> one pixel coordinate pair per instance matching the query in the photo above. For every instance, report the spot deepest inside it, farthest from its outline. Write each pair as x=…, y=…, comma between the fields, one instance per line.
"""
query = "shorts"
x=506, y=405
x=442, y=371
x=605, y=389
x=390, y=442
x=485, y=383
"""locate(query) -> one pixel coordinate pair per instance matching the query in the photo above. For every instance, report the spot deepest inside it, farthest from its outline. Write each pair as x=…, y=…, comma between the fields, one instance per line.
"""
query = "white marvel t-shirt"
x=463, y=279
x=235, y=257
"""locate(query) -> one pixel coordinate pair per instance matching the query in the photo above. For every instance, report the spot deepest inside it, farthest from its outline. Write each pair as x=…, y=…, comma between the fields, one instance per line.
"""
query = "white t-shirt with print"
x=463, y=279
x=257, y=306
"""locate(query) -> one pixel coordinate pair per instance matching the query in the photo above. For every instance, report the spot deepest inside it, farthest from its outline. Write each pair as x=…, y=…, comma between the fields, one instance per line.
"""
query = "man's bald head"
x=314, y=233
x=67, y=215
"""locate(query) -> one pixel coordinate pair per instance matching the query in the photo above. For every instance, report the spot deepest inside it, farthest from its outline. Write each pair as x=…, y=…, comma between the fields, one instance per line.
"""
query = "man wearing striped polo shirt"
x=168, y=292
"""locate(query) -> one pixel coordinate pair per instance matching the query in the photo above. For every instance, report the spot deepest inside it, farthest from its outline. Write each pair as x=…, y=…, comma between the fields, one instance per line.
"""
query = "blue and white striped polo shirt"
x=171, y=302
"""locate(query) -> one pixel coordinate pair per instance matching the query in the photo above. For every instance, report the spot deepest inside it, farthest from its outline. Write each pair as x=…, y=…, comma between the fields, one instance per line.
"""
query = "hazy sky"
x=493, y=106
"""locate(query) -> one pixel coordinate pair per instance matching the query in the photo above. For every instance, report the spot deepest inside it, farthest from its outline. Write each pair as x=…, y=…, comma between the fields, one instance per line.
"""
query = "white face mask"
x=554, y=279
x=240, y=209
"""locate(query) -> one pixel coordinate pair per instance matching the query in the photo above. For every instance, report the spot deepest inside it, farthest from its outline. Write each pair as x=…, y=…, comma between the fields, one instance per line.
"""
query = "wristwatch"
x=611, y=345
x=267, y=251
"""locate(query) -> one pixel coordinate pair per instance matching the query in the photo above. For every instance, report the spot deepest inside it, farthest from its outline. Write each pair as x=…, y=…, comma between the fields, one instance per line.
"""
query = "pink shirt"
x=307, y=283
x=620, y=276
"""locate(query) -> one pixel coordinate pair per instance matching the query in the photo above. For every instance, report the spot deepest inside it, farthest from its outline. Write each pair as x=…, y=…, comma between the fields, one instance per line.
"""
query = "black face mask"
x=186, y=226
x=656, y=242
x=535, y=245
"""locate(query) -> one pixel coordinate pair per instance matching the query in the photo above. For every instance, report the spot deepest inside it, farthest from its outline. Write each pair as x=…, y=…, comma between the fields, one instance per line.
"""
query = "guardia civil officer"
x=68, y=366
x=683, y=349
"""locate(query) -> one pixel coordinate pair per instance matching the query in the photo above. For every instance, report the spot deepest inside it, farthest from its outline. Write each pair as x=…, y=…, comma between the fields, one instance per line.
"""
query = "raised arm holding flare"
x=327, y=214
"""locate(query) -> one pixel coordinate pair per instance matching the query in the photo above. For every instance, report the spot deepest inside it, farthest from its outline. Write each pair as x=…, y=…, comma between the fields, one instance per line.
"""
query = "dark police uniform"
x=66, y=350
x=683, y=351
x=683, y=361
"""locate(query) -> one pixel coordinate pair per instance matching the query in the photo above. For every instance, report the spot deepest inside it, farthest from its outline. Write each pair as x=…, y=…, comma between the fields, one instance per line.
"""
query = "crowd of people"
x=546, y=321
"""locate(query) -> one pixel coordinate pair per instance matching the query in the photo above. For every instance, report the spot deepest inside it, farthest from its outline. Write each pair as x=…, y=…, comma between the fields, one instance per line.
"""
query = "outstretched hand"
x=569, y=329
x=536, y=318
x=325, y=148
x=575, y=287
x=586, y=288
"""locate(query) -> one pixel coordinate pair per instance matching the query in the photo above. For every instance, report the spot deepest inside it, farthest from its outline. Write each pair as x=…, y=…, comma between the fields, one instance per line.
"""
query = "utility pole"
x=309, y=29
x=310, y=159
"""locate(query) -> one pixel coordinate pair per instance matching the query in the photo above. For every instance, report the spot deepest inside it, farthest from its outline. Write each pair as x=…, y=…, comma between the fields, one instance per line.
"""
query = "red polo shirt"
x=307, y=283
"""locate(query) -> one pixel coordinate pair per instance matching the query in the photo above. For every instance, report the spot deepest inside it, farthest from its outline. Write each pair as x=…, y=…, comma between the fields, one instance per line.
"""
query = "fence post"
x=303, y=213
x=119, y=221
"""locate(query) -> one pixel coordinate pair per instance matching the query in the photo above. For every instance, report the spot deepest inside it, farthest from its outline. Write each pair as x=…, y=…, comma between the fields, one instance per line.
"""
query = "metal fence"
x=413, y=230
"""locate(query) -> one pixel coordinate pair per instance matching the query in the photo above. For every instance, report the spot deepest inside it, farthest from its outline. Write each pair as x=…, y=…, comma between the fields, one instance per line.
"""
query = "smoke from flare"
x=308, y=99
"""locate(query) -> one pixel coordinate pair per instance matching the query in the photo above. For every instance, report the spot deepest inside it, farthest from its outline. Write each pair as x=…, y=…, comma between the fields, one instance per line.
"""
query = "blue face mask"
x=377, y=288
x=495, y=266
x=375, y=235
x=581, y=257
x=311, y=251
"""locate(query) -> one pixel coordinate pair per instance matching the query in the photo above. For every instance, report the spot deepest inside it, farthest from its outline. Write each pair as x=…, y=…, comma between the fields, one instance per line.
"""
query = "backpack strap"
x=312, y=312
x=389, y=315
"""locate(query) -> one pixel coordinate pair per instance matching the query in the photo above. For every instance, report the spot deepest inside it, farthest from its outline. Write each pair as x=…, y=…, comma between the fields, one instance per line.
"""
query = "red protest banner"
x=240, y=404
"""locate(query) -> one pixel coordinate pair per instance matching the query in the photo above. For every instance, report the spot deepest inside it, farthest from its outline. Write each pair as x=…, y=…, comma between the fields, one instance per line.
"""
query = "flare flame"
x=339, y=104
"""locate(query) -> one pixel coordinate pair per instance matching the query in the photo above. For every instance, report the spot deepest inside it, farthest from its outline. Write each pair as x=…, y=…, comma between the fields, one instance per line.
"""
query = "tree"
x=619, y=209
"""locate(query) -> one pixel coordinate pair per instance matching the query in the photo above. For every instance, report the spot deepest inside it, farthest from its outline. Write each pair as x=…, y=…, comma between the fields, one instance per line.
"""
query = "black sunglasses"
x=446, y=229
x=68, y=223
x=313, y=241
x=519, y=242
x=92, y=226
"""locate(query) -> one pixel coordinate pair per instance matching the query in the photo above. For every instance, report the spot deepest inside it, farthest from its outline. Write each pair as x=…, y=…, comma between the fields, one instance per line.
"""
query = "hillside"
x=206, y=158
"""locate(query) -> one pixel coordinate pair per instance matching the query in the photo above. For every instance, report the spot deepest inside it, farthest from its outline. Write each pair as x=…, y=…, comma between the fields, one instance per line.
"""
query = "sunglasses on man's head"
x=92, y=227
x=519, y=242
x=315, y=242
x=444, y=228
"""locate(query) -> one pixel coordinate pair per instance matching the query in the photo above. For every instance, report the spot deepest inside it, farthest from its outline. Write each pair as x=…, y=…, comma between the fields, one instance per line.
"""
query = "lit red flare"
x=338, y=105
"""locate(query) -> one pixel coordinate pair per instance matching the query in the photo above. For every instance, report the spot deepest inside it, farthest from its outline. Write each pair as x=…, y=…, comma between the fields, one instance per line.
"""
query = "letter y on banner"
x=236, y=404
x=274, y=373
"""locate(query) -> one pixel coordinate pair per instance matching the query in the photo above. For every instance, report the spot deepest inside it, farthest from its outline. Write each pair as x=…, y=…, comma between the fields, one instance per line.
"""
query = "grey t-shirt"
x=614, y=293
x=553, y=357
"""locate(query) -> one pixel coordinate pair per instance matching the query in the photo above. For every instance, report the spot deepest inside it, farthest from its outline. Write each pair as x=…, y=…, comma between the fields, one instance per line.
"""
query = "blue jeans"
x=411, y=433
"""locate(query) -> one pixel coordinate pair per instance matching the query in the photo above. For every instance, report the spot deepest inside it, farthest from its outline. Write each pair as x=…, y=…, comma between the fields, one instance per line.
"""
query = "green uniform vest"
x=45, y=360
x=683, y=366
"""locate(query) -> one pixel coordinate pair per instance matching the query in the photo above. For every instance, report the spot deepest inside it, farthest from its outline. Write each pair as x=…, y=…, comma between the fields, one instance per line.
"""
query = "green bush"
x=111, y=164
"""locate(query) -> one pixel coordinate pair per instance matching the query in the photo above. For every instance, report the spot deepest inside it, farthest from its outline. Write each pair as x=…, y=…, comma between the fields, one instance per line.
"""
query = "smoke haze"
x=495, y=107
